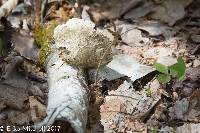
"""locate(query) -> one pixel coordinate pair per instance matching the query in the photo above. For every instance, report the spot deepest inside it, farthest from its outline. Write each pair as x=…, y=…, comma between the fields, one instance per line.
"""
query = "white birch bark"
x=68, y=100
x=77, y=46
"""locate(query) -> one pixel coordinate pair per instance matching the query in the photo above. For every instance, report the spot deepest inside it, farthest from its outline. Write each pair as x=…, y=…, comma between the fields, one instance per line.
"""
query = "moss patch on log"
x=43, y=37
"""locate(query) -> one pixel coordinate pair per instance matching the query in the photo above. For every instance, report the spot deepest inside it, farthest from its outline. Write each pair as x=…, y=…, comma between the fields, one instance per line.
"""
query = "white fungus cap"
x=81, y=45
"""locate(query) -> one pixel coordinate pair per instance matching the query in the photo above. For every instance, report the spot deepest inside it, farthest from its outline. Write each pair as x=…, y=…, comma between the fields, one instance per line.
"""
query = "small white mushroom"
x=83, y=46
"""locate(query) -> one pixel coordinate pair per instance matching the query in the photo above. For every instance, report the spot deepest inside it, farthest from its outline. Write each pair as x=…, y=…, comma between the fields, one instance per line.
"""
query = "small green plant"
x=166, y=73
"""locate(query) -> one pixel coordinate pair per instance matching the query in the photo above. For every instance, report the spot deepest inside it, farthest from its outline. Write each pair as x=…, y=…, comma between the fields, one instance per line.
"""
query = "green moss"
x=43, y=37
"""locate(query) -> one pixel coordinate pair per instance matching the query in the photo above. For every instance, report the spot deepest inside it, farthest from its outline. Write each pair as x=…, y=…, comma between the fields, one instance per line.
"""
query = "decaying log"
x=77, y=46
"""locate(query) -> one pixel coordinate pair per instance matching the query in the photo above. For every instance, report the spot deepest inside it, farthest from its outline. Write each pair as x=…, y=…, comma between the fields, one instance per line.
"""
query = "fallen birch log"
x=78, y=46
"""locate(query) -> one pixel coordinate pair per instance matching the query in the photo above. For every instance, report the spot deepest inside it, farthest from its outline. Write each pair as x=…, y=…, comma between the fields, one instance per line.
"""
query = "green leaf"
x=178, y=69
x=163, y=78
x=161, y=68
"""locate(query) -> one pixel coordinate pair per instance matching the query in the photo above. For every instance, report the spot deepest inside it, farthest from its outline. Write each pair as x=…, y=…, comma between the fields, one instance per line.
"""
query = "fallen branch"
x=7, y=7
x=77, y=46
x=67, y=95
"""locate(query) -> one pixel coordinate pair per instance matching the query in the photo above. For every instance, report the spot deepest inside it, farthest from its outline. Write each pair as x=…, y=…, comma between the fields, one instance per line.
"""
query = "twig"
x=116, y=35
x=6, y=8
x=42, y=10
x=100, y=62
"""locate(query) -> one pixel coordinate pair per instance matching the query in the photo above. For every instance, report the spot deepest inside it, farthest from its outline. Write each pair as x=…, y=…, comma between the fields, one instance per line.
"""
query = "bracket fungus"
x=81, y=45
x=78, y=46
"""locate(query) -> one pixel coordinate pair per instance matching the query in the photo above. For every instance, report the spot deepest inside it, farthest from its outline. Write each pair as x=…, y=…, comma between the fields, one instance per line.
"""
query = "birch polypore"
x=77, y=46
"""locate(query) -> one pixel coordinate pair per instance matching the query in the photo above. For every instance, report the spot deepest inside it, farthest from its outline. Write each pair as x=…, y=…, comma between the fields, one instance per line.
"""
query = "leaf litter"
x=129, y=99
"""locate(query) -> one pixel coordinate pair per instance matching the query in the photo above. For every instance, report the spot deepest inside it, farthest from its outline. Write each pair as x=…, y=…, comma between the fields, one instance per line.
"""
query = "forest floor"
x=134, y=101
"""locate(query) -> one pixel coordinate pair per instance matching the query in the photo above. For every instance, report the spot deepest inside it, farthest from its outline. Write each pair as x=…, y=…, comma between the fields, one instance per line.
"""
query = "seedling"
x=166, y=73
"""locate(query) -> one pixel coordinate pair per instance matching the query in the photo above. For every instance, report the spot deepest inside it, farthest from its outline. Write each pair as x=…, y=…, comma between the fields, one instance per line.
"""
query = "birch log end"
x=77, y=46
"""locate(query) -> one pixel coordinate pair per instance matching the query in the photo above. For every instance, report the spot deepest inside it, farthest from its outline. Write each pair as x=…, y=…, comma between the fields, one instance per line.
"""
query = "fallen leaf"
x=85, y=15
x=111, y=9
x=21, y=119
x=188, y=128
x=195, y=38
x=185, y=3
x=179, y=109
x=158, y=52
x=195, y=14
x=167, y=60
x=33, y=71
x=38, y=110
x=169, y=11
x=59, y=10
x=158, y=115
x=11, y=75
x=156, y=29
x=139, y=11
x=190, y=83
x=196, y=63
x=186, y=109
x=167, y=129
x=125, y=104
x=13, y=97
x=120, y=66
x=24, y=44
x=132, y=36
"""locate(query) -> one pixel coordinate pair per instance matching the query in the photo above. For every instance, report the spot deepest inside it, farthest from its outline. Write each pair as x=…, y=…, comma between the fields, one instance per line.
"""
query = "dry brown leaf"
x=33, y=71
x=190, y=84
x=195, y=38
x=110, y=9
x=38, y=110
x=187, y=109
x=188, y=128
x=131, y=35
x=24, y=44
x=139, y=11
x=11, y=75
x=196, y=63
x=21, y=118
x=125, y=105
x=13, y=97
x=59, y=11
x=169, y=11
x=179, y=110
x=155, y=28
